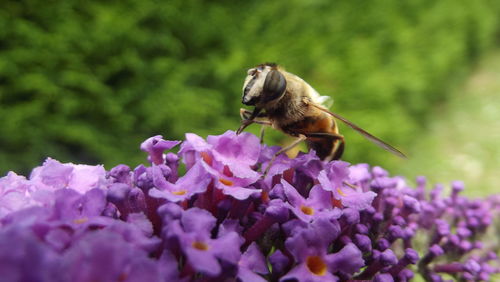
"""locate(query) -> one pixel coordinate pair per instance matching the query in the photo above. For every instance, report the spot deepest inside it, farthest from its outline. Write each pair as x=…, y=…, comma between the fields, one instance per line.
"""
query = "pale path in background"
x=464, y=138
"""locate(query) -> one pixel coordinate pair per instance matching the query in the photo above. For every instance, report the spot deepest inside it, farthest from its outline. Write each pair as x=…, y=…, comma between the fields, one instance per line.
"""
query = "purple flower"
x=385, y=277
x=333, y=179
x=155, y=146
x=334, y=175
x=281, y=163
x=204, y=254
x=363, y=242
x=299, y=171
x=15, y=193
x=231, y=184
x=275, y=212
x=359, y=174
x=172, y=161
x=53, y=175
x=228, y=158
x=221, y=220
x=21, y=250
x=104, y=256
x=309, y=249
x=121, y=173
x=316, y=205
x=238, y=152
x=193, y=182
x=279, y=263
x=194, y=149
x=410, y=205
x=77, y=208
x=410, y=257
x=251, y=264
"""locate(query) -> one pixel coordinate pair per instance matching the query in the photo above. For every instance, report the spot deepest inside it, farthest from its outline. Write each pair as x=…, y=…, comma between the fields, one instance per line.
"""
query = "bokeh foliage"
x=87, y=81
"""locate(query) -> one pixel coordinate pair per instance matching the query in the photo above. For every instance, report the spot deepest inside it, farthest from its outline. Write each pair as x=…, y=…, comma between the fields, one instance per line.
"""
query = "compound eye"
x=274, y=85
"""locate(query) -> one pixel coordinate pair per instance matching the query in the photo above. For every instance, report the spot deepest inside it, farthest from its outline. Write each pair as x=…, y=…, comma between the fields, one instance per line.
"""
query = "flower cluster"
x=208, y=213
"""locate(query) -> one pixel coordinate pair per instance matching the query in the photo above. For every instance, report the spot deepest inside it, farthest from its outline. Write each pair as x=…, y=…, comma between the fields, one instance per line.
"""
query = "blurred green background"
x=87, y=81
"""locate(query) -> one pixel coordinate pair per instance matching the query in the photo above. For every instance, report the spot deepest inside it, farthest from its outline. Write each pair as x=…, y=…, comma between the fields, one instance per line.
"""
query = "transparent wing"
x=367, y=135
x=325, y=101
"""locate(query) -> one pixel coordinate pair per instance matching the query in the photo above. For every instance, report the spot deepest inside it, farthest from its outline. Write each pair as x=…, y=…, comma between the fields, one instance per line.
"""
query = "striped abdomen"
x=322, y=135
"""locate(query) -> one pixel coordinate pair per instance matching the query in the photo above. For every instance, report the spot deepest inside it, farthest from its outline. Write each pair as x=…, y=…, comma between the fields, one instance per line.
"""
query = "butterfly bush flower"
x=15, y=193
x=204, y=254
x=228, y=158
x=333, y=178
x=195, y=181
x=252, y=263
x=104, y=255
x=318, y=203
x=155, y=146
x=309, y=248
x=203, y=210
x=53, y=175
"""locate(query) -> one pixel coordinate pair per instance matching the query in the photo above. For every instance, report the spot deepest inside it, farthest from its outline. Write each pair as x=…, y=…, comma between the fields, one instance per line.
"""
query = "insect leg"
x=246, y=114
x=283, y=150
x=338, y=150
x=247, y=122
x=262, y=122
x=249, y=118
x=262, y=130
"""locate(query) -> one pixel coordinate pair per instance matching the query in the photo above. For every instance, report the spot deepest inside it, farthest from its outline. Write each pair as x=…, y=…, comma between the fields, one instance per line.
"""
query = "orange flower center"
x=226, y=182
x=316, y=265
x=207, y=158
x=80, y=220
x=200, y=246
x=180, y=192
x=307, y=210
x=340, y=192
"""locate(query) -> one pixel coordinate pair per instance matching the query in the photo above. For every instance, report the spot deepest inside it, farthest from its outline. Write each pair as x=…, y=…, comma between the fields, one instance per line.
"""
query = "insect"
x=286, y=102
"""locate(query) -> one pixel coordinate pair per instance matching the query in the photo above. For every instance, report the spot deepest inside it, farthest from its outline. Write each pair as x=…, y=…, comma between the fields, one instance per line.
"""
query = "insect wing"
x=325, y=101
x=363, y=132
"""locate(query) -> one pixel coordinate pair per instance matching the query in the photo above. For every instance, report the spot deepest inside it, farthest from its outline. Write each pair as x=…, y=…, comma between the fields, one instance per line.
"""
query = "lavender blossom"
x=318, y=204
x=222, y=220
x=333, y=178
x=193, y=234
x=251, y=264
x=309, y=249
x=53, y=175
x=195, y=181
x=155, y=146
x=104, y=256
x=15, y=193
